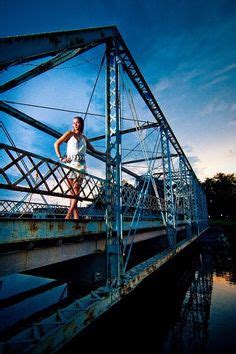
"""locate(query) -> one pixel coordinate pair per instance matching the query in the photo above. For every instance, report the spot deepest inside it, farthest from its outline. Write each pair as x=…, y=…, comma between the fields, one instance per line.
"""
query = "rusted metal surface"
x=17, y=230
x=33, y=254
x=134, y=276
x=42, y=242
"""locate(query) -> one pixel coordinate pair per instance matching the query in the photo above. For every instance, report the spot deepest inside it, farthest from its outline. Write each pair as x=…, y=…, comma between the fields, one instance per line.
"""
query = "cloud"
x=221, y=107
x=201, y=172
x=218, y=74
x=163, y=84
x=187, y=148
x=178, y=77
x=193, y=160
x=233, y=107
x=225, y=69
x=187, y=76
x=231, y=153
x=232, y=123
x=212, y=107
x=216, y=81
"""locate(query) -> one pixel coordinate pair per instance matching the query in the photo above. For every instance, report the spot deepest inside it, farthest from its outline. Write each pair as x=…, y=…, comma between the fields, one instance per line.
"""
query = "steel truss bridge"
x=162, y=198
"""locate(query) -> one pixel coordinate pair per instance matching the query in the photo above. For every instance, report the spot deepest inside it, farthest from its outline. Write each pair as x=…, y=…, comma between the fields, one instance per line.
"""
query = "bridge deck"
x=29, y=244
x=21, y=230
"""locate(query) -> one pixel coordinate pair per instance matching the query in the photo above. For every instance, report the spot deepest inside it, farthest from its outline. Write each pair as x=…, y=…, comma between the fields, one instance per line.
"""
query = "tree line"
x=221, y=196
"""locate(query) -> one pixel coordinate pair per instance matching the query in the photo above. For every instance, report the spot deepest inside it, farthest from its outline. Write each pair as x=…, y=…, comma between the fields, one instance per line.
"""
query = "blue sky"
x=186, y=51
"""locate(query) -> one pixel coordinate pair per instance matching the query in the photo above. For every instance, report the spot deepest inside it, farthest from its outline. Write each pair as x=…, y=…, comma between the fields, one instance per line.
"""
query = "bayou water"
x=188, y=306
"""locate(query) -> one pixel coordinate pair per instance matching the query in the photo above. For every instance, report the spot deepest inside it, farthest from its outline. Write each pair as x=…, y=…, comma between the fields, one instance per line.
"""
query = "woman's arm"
x=63, y=139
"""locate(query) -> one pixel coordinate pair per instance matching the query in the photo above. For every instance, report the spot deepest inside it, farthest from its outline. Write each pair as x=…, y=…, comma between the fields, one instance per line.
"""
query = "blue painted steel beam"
x=42, y=68
x=149, y=159
x=127, y=131
x=185, y=190
x=21, y=49
x=113, y=171
x=45, y=243
x=4, y=107
x=168, y=189
x=25, y=230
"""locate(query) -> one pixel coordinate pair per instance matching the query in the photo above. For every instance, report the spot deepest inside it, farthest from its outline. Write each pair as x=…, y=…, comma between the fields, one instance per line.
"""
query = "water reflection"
x=190, y=332
x=222, y=249
x=206, y=321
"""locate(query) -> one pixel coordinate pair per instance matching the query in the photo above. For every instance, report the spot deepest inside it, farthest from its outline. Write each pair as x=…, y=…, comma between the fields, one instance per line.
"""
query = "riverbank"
x=229, y=224
x=228, y=227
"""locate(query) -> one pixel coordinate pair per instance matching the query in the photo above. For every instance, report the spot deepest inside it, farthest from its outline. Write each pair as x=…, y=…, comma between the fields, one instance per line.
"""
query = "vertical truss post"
x=168, y=189
x=113, y=170
x=195, y=206
x=185, y=191
x=200, y=215
x=203, y=210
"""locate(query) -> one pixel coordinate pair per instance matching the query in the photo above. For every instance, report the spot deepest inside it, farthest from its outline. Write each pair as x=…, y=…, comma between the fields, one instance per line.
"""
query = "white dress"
x=76, y=149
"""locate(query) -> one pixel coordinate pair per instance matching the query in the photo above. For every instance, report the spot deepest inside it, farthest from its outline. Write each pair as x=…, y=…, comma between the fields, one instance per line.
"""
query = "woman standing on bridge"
x=77, y=144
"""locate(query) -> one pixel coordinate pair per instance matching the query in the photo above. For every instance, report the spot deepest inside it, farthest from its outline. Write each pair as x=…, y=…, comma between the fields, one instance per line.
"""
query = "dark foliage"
x=221, y=195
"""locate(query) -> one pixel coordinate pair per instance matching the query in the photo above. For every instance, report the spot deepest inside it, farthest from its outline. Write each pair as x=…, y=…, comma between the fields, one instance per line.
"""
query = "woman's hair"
x=80, y=119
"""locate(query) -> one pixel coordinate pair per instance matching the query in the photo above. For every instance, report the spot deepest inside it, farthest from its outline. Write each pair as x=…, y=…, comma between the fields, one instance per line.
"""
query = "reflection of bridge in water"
x=190, y=332
x=158, y=204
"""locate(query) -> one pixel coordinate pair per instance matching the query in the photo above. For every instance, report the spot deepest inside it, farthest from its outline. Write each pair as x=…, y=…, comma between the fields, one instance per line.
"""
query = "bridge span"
x=142, y=194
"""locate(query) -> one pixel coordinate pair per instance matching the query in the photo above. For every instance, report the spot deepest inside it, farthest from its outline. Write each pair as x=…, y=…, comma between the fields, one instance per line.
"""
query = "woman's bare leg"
x=73, y=210
x=70, y=185
x=76, y=187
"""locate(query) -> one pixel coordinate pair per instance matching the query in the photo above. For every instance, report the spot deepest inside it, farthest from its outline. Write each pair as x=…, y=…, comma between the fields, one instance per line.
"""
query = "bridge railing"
x=14, y=207
x=133, y=198
x=25, y=171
